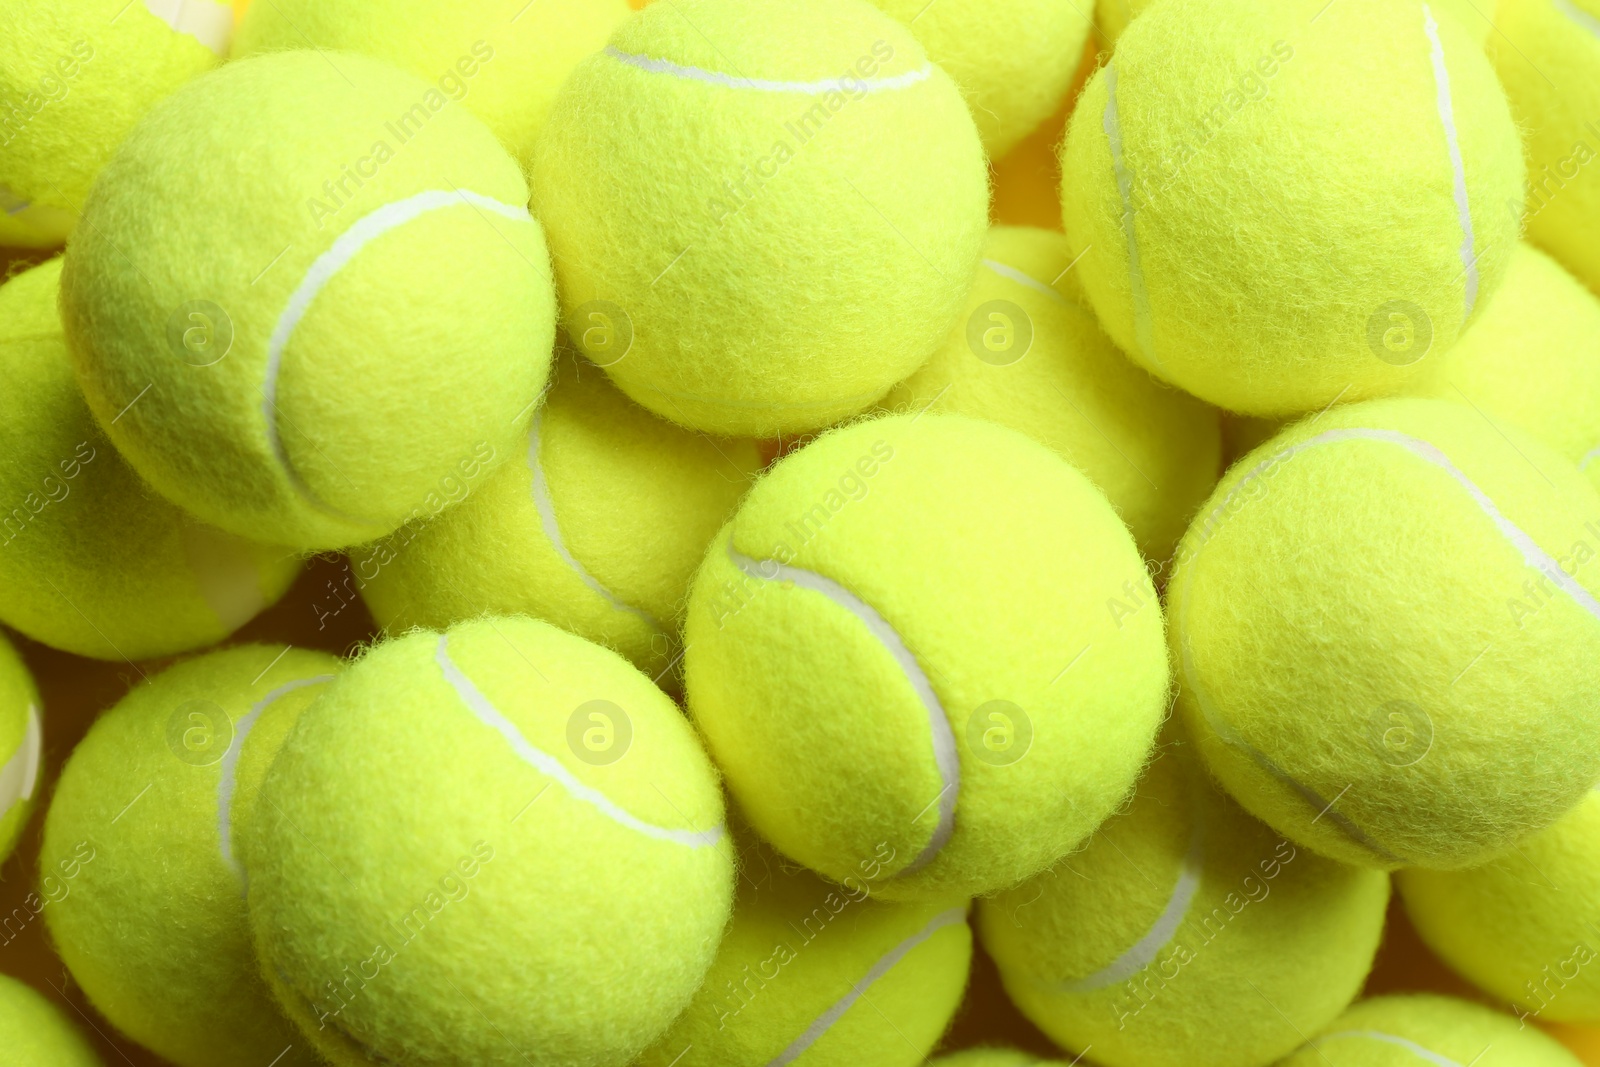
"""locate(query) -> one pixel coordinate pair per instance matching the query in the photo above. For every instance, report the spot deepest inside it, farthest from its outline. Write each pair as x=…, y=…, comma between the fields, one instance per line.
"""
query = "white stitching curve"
x=1390, y=1039
x=19, y=776
x=892, y=83
x=1111, y=122
x=1447, y=117
x=1013, y=274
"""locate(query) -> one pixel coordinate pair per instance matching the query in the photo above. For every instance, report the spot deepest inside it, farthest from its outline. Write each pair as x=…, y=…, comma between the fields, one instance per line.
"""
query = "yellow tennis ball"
x=503, y=59
x=296, y=327
x=75, y=77
x=764, y=213
x=148, y=815
x=597, y=524
x=21, y=746
x=1113, y=16
x=1236, y=156
x=39, y=1034
x=1027, y=354
x=1182, y=907
x=1387, y=634
x=1418, y=1028
x=982, y=598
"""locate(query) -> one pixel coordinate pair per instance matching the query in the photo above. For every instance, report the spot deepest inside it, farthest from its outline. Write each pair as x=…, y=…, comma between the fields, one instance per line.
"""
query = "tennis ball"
x=1523, y=927
x=502, y=59
x=37, y=1032
x=1415, y=1028
x=994, y=1057
x=1418, y=586
x=1113, y=16
x=764, y=213
x=1182, y=907
x=819, y=974
x=982, y=598
x=1208, y=203
x=496, y=845
x=1030, y=356
x=598, y=527
x=298, y=340
x=92, y=561
x=148, y=812
x=75, y=77
x=21, y=745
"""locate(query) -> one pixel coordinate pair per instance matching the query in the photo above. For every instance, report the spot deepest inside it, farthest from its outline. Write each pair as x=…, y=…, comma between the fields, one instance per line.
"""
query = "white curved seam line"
x=825, y=1021
x=1142, y=327
x=1588, y=458
x=346, y=247
x=1441, y=77
x=206, y=21
x=1580, y=16
x=941, y=737
x=1391, y=1039
x=553, y=768
x=1013, y=274
x=892, y=83
x=20, y=775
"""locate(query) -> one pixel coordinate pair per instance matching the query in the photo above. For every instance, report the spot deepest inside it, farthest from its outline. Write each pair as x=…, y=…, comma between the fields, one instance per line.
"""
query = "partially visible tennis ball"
x=995, y=1057
x=39, y=1034
x=300, y=338
x=1235, y=156
x=764, y=213
x=1113, y=16
x=1028, y=355
x=21, y=746
x=1417, y=1028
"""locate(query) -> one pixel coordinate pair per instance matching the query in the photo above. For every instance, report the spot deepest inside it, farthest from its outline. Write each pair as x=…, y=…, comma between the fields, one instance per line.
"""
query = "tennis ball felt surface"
x=91, y=560
x=1380, y=158
x=39, y=1034
x=1419, y=586
x=454, y=874
x=502, y=59
x=764, y=213
x=144, y=826
x=300, y=339
x=1029, y=355
x=994, y=1057
x=597, y=524
x=1403, y=1031
x=887, y=565
x=1113, y=16
x=21, y=746
x=1174, y=915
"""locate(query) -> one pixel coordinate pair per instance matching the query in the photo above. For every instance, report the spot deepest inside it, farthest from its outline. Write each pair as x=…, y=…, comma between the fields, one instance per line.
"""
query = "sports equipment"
x=271, y=339
x=598, y=529
x=889, y=565
x=1521, y=927
x=995, y=1057
x=820, y=975
x=75, y=77
x=502, y=59
x=496, y=845
x=764, y=213
x=21, y=745
x=1424, y=1028
x=1030, y=356
x=1385, y=197
x=1014, y=60
x=1182, y=910
x=1113, y=16
x=1547, y=53
x=91, y=561
x=38, y=1034
x=145, y=823
x=1418, y=587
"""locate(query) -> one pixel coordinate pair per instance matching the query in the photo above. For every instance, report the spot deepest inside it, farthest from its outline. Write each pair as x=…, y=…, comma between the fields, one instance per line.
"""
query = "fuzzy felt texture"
x=503, y=59
x=154, y=927
x=425, y=894
x=819, y=726
x=1154, y=451
x=91, y=560
x=1368, y=657
x=782, y=257
x=17, y=696
x=1113, y=16
x=1377, y=1032
x=1261, y=915
x=430, y=343
x=797, y=947
x=38, y=1034
x=995, y=1057
x=635, y=501
x=1264, y=212
x=1522, y=926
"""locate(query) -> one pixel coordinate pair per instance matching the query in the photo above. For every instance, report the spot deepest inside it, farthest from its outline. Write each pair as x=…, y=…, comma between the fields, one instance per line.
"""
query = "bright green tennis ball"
x=91, y=560
x=1113, y=16
x=1181, y=908
x=497, y=845
x=75, y=77
x=764, y=213
x=1523, y=927
x=151, y=807
x=1238, y=155
x=597, y=525
x=981, y=597
x=502, y=59
x=1387, y=634
x=21, y=745
x=37, y=1033
x=1027, y=354
x=296, y=327
x=821, y=975
x=1422, y=1028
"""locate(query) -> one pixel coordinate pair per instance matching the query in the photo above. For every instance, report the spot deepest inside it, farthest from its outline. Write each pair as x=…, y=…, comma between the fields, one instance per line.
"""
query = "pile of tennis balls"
x=786, y=579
